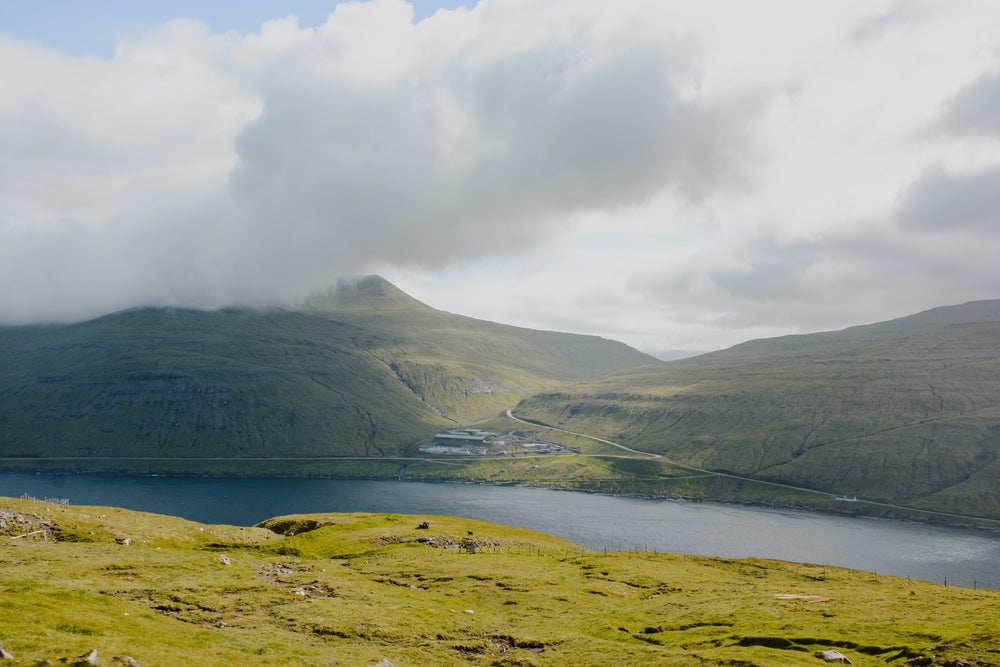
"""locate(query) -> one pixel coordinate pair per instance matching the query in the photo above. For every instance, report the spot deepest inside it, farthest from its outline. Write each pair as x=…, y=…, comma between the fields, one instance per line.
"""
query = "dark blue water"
x=930, y=553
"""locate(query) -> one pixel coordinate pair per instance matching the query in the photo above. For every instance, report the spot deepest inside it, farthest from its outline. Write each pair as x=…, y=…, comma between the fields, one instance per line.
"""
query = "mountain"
x=364, y=370
x=904, y=412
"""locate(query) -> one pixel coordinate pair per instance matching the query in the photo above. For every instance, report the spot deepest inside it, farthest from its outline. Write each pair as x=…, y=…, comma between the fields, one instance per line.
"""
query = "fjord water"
x=931, y=553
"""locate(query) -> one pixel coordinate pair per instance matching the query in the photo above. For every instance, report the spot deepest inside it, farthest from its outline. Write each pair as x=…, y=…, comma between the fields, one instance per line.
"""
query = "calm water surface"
x=931, y=553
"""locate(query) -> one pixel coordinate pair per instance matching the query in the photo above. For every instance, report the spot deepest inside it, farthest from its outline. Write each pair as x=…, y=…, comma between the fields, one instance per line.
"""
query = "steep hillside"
x=357, y=589
x=172, y=383
x=368, y=374
x=906, y=411
x=486, y=366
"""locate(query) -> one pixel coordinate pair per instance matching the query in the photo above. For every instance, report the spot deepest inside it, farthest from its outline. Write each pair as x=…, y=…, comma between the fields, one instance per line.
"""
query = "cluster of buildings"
x=476, y=442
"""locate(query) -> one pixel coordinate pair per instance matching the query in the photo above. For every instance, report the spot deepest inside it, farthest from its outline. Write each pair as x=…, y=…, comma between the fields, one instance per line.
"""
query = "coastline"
x=826, y=505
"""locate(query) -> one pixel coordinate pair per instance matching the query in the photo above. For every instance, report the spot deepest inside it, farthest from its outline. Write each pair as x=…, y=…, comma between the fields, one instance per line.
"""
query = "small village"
x=476, y=442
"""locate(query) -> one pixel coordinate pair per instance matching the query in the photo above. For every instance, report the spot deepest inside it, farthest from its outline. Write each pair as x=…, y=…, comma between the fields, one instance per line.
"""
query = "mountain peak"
x=373, y=294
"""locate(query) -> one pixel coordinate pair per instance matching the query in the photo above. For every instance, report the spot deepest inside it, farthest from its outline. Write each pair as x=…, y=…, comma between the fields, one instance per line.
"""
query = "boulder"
x=833, y=656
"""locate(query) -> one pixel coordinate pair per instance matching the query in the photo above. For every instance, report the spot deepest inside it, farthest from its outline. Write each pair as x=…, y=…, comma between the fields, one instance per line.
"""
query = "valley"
x=903, y=415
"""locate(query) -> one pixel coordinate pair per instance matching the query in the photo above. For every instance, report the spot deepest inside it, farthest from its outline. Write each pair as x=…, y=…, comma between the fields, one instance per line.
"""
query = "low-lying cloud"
x=726, y=168
x=200, y=170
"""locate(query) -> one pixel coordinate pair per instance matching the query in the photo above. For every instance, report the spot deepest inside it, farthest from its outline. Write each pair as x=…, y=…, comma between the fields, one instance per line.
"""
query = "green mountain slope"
x=904, y=412
x=364, y=371
x=356, y=589
x=420, y=338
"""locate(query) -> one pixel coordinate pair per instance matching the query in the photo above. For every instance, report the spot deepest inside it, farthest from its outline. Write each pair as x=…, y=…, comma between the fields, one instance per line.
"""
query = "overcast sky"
x=676, y=175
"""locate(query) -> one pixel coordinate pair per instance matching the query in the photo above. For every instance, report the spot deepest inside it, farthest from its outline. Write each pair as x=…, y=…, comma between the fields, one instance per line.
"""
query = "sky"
x=675, y=175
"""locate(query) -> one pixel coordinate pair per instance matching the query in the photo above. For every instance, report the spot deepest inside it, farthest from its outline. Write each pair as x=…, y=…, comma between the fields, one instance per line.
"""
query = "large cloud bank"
x=758, y=164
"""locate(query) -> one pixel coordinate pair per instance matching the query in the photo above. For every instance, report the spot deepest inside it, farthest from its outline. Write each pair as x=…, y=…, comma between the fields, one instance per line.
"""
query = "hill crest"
x=370, y=294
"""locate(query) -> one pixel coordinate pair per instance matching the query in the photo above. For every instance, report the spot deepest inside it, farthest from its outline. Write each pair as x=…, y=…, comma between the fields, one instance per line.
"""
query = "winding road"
x=653, y=455
x=589, y=437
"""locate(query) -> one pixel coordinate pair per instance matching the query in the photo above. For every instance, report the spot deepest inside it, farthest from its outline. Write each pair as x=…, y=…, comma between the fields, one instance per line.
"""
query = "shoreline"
x=858, y=507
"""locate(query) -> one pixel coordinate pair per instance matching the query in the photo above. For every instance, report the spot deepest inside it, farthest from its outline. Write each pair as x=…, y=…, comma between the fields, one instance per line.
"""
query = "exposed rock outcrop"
x=24, y=525
x=833, y=656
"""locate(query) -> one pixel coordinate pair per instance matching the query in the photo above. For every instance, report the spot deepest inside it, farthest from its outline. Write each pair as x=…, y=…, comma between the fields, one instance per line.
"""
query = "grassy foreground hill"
x=362, y=371
x=904, y=412
x=357, y=589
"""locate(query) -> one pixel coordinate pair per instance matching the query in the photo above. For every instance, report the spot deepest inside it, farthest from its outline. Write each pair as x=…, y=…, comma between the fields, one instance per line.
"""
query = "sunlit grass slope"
x=355, y=589
x=906, y=411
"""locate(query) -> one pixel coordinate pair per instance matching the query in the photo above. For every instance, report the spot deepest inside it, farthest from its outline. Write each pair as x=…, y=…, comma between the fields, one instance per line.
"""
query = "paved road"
x=651, y=455
x=583, y=435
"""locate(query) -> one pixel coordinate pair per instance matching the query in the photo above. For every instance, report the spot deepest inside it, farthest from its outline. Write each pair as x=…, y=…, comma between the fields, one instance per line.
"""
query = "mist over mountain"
x=642, y=170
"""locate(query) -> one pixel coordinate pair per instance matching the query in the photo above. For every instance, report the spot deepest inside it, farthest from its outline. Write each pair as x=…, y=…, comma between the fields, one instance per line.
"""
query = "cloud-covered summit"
x=690, y=173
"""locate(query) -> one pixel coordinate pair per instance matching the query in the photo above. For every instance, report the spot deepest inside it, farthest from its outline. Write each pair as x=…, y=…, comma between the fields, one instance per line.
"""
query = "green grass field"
x=355, y=589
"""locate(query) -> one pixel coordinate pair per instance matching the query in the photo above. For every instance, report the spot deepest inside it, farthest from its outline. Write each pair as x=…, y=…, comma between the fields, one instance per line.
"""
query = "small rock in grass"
x=833, y=656
x=224, y=559
x=125, y=660
x=4, y=655
x=384, y=662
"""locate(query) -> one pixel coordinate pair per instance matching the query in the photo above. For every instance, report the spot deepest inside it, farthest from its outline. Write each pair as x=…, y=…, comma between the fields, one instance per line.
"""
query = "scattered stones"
x=833, y=656
x=469, y=544
x=278, y=575
x=274, y=573
x=17, y=524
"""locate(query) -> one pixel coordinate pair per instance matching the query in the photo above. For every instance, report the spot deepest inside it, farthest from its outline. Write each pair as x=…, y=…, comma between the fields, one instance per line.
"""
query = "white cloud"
x=676, y=174
x=973, y=109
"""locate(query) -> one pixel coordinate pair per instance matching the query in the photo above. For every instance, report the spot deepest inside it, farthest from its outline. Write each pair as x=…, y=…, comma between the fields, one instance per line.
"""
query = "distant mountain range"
x=904, y=412
x=361, y=370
